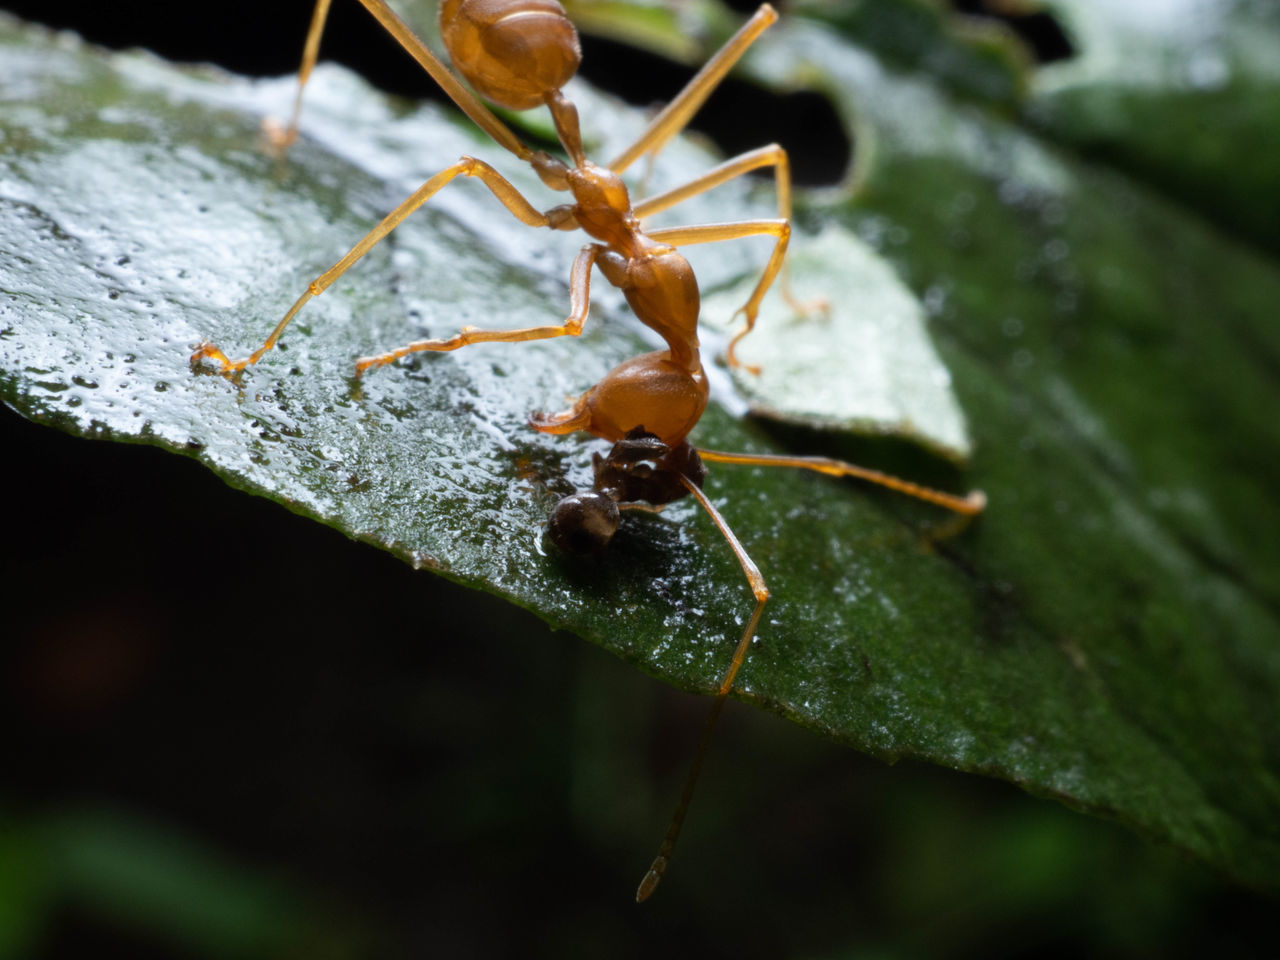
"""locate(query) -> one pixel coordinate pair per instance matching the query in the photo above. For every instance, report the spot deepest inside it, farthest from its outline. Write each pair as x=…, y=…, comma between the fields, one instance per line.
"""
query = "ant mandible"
x=518, y=54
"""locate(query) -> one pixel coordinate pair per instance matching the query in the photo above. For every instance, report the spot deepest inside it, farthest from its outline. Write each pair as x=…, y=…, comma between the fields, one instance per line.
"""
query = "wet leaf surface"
x=1106, y=634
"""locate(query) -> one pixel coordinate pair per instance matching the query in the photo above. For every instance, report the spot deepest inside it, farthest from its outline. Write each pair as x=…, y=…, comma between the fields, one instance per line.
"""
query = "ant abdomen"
x=652, y=389
x=514, y=52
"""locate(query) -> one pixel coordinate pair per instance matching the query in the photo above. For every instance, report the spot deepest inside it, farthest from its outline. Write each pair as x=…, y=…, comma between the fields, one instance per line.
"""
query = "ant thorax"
x=603, y=206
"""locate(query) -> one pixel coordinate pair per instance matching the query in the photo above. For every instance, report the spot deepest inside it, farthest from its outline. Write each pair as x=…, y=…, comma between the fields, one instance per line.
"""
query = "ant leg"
x=761, y=592
x=281, y=139
x=467, y=166
x=715, y=232
x=970, y=505
x=973, y=504
x=642, y=507
x=413, y=45
x=467, y=102
x=678, y=112
x=771, y=156
x=579, y=302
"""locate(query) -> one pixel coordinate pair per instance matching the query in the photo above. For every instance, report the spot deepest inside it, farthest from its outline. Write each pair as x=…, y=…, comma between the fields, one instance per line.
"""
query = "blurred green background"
x=302, y=747
x=289, y=745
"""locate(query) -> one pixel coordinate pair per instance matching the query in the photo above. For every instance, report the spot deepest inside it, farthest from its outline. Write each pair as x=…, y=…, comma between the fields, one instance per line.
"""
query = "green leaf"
x=974, y=57
x=154, y=878
x=660, y=28
x=161, y=880
x=1130, y=440
x=862, y=360
x=1106, y=634
x=1186, y=96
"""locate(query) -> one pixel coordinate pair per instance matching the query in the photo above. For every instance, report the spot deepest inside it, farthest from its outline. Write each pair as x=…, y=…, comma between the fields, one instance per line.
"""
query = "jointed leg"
x=770, y=156
x=579, y=303
x=280, y=139
x=413, y=45
x=761, y=592
x=974, y=503
x=467, y=166
x=971, y=505
x=678, y=112
x=714, y=232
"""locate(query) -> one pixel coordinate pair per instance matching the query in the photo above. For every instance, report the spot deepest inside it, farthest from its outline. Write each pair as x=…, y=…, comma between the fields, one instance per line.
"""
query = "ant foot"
x=964, y=513
x=736, y=364
x=806, y=308
x=731, y=354
x=277, y=139
x=379, y=360
x=207, y=350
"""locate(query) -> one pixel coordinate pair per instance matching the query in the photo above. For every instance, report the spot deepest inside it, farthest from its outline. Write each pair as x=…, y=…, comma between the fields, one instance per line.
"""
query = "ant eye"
x=583, y=522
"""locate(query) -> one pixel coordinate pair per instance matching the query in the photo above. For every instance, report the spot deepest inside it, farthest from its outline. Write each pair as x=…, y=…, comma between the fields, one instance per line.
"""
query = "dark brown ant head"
x=642, y=467
x=583, y=522
x=639, y=467
x=514, y=52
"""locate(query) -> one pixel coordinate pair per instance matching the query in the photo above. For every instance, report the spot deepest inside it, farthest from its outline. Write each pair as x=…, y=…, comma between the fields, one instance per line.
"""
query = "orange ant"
x=518, y=54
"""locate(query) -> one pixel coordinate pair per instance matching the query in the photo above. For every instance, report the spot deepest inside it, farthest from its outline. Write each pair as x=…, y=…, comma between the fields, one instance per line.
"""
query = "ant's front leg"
x=467, y=166
x=579, y=303
x=761, y=593
x=969, y=506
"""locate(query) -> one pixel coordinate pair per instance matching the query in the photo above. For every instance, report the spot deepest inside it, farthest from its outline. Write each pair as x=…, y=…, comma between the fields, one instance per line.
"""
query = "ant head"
x=583, y=522
x=515, y=53
x=641, y=467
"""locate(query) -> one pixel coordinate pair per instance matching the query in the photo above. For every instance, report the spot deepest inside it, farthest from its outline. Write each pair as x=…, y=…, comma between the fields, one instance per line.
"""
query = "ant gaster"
x=518, y=54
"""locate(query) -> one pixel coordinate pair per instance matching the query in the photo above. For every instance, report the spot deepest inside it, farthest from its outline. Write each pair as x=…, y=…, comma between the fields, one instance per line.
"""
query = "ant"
x=518, y=54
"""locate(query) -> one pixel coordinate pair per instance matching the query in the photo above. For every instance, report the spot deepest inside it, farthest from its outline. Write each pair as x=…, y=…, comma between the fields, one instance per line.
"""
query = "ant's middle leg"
x=771, y=156
x=715, y=232
x=579, y=303
x=501, y=188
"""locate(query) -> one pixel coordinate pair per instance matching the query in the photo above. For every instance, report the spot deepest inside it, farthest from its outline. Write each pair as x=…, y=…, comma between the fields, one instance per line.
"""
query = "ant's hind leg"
x=579, y=303
x=511, y=198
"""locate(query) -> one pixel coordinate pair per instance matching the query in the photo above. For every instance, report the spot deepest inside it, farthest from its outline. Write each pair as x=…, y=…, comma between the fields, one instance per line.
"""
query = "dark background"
x=240, y=734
